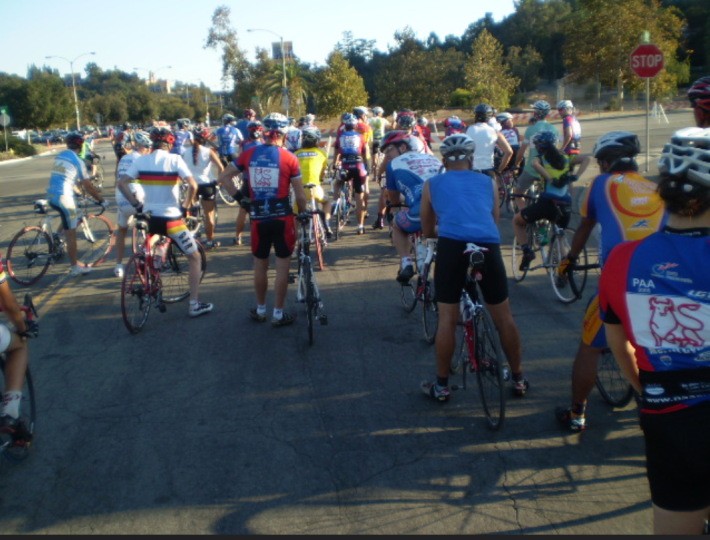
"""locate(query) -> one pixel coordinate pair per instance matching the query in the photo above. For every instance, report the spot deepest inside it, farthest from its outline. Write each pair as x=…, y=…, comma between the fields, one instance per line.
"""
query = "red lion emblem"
x=672, y=324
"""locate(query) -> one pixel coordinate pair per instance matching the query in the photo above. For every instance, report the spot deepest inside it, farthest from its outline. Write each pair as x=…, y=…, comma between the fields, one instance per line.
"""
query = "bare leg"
x=584, y=372
x=261, y=279
x=281, y=286
x=120, y=243
x=209, y=208
x=509, y=335
x=669, y=522
x=71, y=246
x=446, y=337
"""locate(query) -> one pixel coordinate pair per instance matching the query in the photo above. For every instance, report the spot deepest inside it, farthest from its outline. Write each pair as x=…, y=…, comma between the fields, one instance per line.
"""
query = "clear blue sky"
x=150, y=35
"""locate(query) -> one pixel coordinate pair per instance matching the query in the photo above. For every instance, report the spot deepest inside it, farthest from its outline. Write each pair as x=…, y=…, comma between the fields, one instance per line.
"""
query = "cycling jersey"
x=159, y=174
x=123, y=166
x=122, y=140
x=463, y=202
x=550, y=191
x=455, y=127
x=352, y=146
x=378, y=125
x=271, y=169
x=250, y=143
x=67, y=170
x=200, y=171
x=292, y=141
x=243, y=127
x=426, y=134
x=181, y=137
x=658, y=289
x=540, y=125
x=572, y=123
x=228, y=137
x=485, y=138
x=312, y=162
x=627, y=207
x=407, y=174
x=512, y=135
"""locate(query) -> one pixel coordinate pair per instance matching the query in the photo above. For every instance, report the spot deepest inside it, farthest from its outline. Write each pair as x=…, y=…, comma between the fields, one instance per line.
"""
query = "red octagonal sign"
x=647, y=61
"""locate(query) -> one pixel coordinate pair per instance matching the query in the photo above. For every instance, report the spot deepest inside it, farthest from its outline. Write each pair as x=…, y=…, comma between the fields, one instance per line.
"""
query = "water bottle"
x=159, y=252
x=421, y=256
x=542, y=238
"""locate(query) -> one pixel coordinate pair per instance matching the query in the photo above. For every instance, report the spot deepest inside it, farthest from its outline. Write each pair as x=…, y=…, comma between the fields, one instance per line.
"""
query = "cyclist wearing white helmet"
x=540, y=111
x=571, y=130
x=424, y=129
x=142, y=144
x=270, y=172
x=511, y=134
x=461, y=206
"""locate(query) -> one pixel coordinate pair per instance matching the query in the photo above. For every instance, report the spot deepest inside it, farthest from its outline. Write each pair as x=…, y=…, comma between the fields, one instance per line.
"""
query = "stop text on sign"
x=646, y=61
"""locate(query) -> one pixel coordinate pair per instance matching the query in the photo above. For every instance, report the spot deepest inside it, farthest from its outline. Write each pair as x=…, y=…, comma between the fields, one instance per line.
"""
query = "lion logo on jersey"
x=673, y=324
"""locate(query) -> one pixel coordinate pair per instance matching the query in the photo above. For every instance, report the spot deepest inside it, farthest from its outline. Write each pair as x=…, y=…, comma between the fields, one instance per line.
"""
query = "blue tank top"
x=463, y=202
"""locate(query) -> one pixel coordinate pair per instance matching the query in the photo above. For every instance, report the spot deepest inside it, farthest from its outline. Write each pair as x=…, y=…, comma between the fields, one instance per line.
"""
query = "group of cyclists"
x=651, y=308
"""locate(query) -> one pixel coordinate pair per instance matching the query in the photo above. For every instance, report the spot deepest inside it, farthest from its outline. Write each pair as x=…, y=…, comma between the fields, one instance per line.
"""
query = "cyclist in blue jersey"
x=243, y=125
x=228, y=138
x=182, y=137
x=255, y=133
x=407, y=171
x=68, y=170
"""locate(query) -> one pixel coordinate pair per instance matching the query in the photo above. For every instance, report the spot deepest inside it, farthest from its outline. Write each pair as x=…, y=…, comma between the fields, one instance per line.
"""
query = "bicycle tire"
x=516, y=257
x=489, y=372
x=338, y=219
x=28, y=412
x=225, y=196
x=317, y=230
x=611, y=383
x=29, y=255
x=430, y=309
x=135, y=293
x=559, y=247
x=578, y=278
x=175, y=274
x=310, y=297
x=139, y=237
x=94, y=240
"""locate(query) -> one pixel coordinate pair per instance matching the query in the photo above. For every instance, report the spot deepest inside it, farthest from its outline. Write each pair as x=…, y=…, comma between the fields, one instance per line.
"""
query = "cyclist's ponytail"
x=555, y=158
x=195, y=150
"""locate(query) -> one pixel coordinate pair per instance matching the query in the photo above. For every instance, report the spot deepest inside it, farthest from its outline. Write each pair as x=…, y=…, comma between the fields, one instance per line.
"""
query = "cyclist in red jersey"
x=699, y=96
x=424, y=130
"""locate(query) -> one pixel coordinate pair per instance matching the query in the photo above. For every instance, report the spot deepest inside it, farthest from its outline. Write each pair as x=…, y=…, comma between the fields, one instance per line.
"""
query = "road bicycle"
x=34, y=248
x=196, y=219
x=19, y=450
x=307, y=290
x=480, y=348
x=506, y=190
x=426, y=293
x=552, y=243
x=343, y=205
x=158, y=274
x=316, y=226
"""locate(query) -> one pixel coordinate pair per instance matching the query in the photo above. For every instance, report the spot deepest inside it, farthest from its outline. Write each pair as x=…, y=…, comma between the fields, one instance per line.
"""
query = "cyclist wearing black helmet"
x=487, y=139
x=121, y=143
x=243, y=125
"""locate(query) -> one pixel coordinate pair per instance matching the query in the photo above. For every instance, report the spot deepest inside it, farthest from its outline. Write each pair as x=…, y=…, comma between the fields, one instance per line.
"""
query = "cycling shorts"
x=120, y=151
x=407, y=223
x=677, y=449
x=549, y=209
x=66, y=206
x=206, y=191
x=226, y=159
x=376, y=146
x=593, y=333
x=5, y=338
x=279, y=232
x=358, y=176
x=176, y=229
x=318, y=194
x=452, y=266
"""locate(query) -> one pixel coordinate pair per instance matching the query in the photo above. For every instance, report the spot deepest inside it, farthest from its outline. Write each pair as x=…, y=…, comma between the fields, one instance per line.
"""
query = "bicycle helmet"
x=688, y=154
x=349, y=120
x=201, y=134
x=227, y=118
x=395, y=137
x=303, y=121
x=311, y=135
x=249, y=113
x=406, y=120
x=377, y=111
x=162, y=135
x=482, y=112
x=422, y=121
x=504, y=117
x=74, y=140
x=126, y=125
x=616, y=144
x=360, y=112
x=458, y=146
x=311, y=118
x=291, y=121
x=699, y=96
x=565, y=104
x=453, y=121
x=275, y=124
x=141, y=138
x=255, y=129
x=541, y=109
x=544, y=139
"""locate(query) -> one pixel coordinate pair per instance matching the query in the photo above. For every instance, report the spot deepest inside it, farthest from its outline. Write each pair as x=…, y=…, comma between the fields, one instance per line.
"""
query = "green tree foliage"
x=606, y=32
x=697, y=31
x=525, y=64
x=415, y=77
x=338, y=87
x=487, y=75
x=299, y=81
x=221, y=35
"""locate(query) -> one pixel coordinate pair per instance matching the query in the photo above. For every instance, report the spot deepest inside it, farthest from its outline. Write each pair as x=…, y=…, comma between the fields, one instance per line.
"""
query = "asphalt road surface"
x=223, y=425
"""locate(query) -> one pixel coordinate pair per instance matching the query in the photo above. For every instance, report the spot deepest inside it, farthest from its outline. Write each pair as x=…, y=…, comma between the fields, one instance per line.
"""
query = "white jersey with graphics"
x=136, y=189
x=202, y=171
x=485, y=138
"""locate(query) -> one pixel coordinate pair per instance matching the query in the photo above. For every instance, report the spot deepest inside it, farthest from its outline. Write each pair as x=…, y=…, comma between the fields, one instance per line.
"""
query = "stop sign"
x=647, y=61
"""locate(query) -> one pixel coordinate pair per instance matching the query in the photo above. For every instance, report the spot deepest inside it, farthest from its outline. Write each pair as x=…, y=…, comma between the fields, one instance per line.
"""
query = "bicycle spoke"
x=94, y=240
x=611, y=383
x=136, y=292
x=489, y=370
x=29, y=255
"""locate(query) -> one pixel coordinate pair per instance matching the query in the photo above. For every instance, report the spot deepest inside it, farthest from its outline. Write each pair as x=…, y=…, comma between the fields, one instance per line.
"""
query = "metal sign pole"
x=648, y=91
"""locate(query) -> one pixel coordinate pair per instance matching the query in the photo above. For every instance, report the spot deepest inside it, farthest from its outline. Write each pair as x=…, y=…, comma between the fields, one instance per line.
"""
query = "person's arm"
x=521, y=154
x=427, y=214
x=299, y=192
x=11, y=308
x=122, y=185
x=225, y=178
x=583, y=162
x=537, y=166
x=504, y=145
x=91, y=190
x=566, y=136
x=496, y=201
x=623, y=353
x=214, y=159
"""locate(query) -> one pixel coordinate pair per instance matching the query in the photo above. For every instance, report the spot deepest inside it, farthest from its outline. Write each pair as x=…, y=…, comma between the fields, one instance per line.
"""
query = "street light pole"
x=284, y=87
x=73, y=83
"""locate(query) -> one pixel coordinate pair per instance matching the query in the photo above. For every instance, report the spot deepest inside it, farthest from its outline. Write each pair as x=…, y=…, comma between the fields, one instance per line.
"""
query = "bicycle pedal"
x=324, y=320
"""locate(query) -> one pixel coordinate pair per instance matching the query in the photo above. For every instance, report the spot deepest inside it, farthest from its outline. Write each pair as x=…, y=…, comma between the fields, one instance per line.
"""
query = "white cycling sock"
x=261, y=310
x=11, y=404
x=278, y=314
x=407, y=261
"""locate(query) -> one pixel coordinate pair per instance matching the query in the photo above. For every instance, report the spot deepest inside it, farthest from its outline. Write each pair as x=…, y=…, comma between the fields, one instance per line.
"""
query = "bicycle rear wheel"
x=318, y=239
x=516, y=258
x=29, y=255
x=430, y=309
x=611, y=383
x=558, y=250
x=489, y=370
x=225, y=196
x=175, y=274
x=135, y=293
x=310, y=297
x=17, y=451
x=94, y=240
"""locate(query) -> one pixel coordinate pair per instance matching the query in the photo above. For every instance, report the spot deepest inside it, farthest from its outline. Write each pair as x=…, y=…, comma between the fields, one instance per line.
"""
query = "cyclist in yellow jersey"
x=313, y=162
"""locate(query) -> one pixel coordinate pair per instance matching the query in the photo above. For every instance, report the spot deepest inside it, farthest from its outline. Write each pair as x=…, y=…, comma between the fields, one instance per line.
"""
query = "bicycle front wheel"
x=135, y=293
x=489, y=370
x=94, y=240
x=225, y=196
x=318, y=239
x=29, y=255
x=98, y=180
x=175, y=274
x=17, y=451
x=559, y=247
x=611, y=383
x=516, y=258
